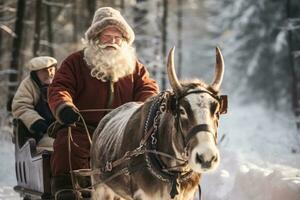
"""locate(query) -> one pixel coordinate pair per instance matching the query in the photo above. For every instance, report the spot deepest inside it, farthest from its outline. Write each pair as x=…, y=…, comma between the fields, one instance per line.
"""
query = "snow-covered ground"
x=7, y=170
x=260, y=158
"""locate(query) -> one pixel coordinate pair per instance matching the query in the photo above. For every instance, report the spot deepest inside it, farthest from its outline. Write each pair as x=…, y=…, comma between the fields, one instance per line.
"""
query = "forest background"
x=260, y=42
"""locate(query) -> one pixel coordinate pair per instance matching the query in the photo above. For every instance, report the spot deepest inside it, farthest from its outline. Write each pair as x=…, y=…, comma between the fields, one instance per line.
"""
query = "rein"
x=74, y=181
x=109, y=165
x=151, y=127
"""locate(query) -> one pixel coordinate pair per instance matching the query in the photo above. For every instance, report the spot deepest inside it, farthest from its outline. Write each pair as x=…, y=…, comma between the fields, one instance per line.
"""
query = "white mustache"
x=103, y=46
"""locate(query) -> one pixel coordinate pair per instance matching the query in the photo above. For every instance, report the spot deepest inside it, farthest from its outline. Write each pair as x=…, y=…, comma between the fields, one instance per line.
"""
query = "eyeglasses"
x=110, y=39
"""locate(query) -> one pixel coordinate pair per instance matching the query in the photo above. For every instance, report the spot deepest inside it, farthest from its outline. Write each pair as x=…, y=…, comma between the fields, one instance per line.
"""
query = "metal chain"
x=162, y=108
x=153, y=105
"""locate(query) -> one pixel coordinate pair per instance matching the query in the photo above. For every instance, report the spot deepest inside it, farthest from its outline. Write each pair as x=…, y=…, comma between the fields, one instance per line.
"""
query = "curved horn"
x=219, y=71
x=176, y=86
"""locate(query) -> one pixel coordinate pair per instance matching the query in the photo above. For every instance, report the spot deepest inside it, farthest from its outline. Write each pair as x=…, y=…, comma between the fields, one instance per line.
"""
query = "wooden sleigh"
x=32, y=167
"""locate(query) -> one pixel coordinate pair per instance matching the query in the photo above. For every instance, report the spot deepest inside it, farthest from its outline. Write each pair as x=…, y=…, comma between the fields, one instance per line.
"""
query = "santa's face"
x=110, y=38
x=109, y=56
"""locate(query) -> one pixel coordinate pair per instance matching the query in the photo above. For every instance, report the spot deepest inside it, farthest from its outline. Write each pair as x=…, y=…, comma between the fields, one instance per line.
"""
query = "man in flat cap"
x=104, y=75
x=30, y=101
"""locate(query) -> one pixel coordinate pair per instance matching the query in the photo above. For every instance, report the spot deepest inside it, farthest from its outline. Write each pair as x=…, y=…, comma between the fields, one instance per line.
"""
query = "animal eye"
x=182, y=112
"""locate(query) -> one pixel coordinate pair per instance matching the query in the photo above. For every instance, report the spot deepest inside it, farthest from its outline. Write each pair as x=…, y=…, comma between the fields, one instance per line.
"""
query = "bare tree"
x=1, y=44
x=122, y=4
x=14, y=65
x=75, y=18
x=179, y=37
x=91, y=6
x=50, y=31
x=293, y=46
x=37, y=29
x=108, y=3
x=164, y=40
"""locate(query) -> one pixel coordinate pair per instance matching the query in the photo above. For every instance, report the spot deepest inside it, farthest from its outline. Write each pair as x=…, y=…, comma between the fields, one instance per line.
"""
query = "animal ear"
x=223, y=104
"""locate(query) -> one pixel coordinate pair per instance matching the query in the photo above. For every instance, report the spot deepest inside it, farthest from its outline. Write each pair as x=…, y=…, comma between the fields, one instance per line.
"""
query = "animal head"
x=197, y=107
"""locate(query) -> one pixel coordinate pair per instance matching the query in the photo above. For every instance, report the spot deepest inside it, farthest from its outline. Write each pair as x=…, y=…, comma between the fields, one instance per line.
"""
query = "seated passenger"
x=30, y=101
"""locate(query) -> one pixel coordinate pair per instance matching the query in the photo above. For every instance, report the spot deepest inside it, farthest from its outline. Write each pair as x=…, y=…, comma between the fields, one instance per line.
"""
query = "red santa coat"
x=73, y=85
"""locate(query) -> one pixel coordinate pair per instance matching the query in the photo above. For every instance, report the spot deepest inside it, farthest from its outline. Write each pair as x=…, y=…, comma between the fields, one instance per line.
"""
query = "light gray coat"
x=24, y=101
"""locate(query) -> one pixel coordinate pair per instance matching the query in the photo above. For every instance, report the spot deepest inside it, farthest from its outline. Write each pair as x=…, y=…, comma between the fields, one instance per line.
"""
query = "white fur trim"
x=108, y=16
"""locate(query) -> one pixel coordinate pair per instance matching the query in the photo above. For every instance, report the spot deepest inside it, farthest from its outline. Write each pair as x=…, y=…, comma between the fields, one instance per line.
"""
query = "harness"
x=156, y=166
x=222, y=100
x=154, y=163
x=148, y=145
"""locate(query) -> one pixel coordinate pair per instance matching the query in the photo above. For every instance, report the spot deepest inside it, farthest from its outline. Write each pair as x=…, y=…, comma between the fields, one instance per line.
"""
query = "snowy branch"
x=290, y=26
x=296, y=54
x=8, y=30
x=4, y=8
x=8, y=71
x=8, y=20
x=295, y=27
x=46, y=43
x=294, y=20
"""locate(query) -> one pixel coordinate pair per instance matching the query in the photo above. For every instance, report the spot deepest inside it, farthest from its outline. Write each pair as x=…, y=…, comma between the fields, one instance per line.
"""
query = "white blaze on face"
x=204, y=155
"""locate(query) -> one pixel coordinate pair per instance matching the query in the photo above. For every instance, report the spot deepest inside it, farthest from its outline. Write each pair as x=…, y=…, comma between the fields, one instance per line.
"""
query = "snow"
x=260, y=156
x=280, y=41
x=7, y=171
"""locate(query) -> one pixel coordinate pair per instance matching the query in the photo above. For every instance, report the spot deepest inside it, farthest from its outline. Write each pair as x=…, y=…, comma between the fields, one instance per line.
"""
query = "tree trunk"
x=37, y=29
x=164, y=41
x=91, y=5
x=75, y=14
x=293, y=71
x=179, y=37
x=1, y=42
x=16, y=49
x=50, y=31
x=122, y=5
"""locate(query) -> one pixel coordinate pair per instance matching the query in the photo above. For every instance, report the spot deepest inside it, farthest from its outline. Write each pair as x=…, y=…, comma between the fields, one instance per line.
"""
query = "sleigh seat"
x=32, y=166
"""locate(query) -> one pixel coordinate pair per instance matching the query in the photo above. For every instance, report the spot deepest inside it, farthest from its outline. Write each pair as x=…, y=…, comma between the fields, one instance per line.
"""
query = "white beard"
x=109, y=64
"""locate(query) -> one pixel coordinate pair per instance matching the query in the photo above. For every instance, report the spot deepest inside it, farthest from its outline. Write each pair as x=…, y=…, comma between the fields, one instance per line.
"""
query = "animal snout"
x=204, y=158
x=200, y=159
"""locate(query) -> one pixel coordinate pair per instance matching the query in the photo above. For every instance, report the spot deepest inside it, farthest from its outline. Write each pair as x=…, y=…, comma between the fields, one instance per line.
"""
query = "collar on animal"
x=154, y=163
